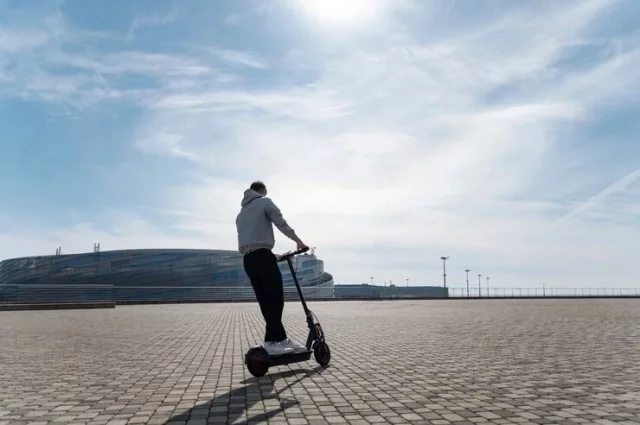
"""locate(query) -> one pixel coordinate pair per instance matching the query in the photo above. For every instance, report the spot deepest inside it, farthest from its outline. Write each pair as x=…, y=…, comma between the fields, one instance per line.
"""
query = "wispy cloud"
x=392, y=145
x=152, y=20
x=239, y=58
x=604, y=195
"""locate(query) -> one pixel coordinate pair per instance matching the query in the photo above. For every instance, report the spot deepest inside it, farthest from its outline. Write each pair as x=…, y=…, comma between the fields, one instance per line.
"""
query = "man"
x=255, y=242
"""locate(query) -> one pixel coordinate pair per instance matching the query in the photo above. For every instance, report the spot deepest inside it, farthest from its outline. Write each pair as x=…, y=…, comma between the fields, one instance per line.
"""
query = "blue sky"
x=390, y=132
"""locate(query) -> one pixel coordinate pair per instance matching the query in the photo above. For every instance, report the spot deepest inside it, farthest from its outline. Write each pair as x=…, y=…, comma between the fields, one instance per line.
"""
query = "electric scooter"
x=257, y=359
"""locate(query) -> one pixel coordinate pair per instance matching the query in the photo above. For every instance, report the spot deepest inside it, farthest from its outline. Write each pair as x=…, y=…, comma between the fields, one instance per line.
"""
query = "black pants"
x=262, y=268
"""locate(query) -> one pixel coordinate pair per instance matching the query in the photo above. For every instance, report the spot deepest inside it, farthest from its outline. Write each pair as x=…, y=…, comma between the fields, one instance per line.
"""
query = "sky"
x=502, y=134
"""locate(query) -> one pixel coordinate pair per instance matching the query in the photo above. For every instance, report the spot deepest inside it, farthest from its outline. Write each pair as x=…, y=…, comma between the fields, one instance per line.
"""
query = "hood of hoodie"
x=250, y=195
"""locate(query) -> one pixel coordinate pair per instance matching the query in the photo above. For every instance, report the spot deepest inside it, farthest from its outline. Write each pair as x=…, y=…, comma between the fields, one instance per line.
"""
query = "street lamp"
x=444, y=273
x=479, y=289
x=467, y=282
x=407, y=282
x=371, y=280
x=488, y=287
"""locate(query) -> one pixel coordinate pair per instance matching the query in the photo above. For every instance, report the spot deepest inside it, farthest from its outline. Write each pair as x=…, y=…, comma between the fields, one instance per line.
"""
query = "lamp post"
x=96, y=249
x=371, y=280
x=444, y=273
x=488, y=295
x=407, y=282
x=467, y=270
x=479, y=288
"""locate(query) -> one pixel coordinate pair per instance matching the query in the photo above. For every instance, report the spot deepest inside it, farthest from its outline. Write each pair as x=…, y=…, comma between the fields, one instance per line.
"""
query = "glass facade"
x=140, y=275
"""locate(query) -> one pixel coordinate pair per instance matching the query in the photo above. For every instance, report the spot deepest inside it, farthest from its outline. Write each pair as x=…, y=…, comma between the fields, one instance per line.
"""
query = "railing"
x=543, y=292
x=91, y=293
x=210, y=293
x=60, y=293
x=46, y=294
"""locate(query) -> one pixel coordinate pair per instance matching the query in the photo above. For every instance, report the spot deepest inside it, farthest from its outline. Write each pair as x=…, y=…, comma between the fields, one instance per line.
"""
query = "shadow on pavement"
x=230, y=407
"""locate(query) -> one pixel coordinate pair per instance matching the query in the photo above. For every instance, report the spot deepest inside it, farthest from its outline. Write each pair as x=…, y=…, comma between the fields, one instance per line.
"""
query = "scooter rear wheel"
x=322, y=353
x=256, y=360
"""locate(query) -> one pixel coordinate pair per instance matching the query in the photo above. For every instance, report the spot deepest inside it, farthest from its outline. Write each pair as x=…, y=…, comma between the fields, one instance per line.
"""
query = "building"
x=169, y=275
x=364, y=290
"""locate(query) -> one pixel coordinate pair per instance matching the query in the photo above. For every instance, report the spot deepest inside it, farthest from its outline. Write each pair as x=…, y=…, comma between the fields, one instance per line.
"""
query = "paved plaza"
x=431, y=362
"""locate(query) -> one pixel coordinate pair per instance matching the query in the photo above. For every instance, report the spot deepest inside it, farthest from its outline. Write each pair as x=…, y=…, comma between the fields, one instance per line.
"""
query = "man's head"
x=259, y=187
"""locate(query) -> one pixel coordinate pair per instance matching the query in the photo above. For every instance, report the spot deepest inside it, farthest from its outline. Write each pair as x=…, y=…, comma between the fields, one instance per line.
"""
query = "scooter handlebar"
x=290, y=254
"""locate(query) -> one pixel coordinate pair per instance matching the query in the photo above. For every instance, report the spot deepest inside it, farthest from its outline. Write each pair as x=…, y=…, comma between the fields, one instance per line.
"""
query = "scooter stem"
x=295, y=280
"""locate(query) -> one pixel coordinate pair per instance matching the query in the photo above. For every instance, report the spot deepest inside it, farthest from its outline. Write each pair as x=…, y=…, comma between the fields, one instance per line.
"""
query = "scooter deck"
x=281, y=359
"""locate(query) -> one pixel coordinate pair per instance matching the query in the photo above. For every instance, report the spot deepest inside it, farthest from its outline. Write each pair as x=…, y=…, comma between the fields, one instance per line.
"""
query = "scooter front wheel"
x=256, y=361
x=322, y=353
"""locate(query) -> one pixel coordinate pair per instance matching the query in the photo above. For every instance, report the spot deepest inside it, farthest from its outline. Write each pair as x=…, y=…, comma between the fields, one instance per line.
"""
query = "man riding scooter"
x=256, y=240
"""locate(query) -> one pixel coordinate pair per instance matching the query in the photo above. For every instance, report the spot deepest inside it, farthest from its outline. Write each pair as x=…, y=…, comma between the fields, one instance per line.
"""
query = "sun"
x=342, y=13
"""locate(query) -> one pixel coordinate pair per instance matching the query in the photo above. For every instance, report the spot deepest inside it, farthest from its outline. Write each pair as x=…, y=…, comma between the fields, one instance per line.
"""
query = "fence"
x=98, y=293
x=543, y=292
x=61, y=293
x=133, y=294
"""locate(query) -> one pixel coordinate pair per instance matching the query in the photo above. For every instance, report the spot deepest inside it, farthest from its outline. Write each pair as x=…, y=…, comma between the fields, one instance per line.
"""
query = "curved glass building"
x=148, y=275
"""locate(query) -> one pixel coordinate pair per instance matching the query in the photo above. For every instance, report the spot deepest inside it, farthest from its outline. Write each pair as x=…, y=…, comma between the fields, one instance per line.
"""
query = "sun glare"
x=341, y=12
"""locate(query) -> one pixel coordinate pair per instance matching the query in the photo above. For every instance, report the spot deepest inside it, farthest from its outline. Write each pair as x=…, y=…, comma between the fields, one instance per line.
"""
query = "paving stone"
x=405, y=362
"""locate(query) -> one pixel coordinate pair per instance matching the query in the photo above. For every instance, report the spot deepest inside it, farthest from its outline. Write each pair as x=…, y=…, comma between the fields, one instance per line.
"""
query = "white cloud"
x=400, y=151
x=45, y=64
x=12, y=40
x=239, y=58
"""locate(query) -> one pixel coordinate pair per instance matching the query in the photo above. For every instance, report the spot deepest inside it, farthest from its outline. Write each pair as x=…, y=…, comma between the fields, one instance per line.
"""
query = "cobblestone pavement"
x=438, y=362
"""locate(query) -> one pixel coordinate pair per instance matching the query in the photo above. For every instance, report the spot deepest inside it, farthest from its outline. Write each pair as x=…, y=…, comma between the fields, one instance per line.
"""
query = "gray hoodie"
x=254, y=222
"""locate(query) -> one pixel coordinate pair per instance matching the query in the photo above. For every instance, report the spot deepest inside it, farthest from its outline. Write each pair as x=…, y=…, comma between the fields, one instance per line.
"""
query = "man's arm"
x=274, y=214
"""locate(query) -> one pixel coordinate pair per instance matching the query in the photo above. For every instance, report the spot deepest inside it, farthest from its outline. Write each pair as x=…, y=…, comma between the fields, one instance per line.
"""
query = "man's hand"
x=301, y=245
